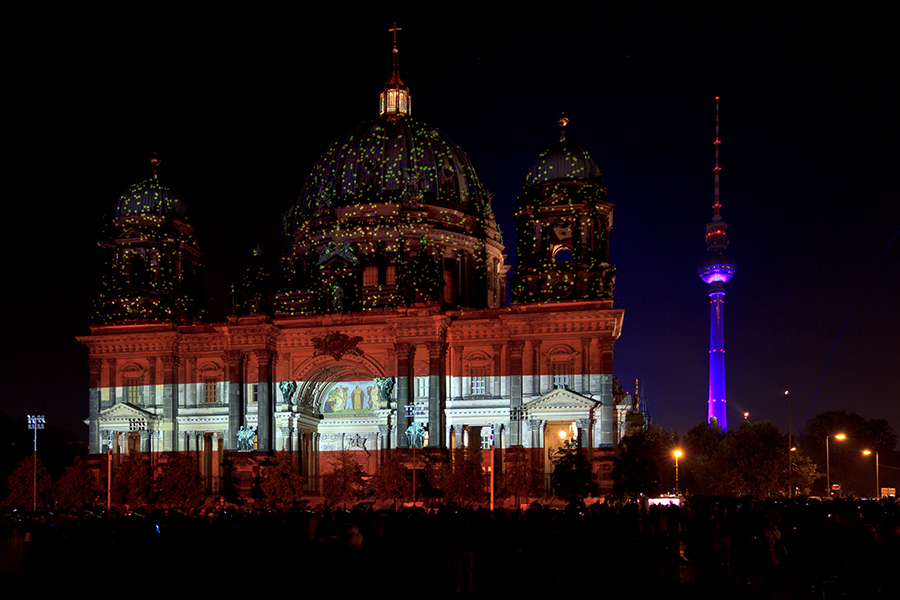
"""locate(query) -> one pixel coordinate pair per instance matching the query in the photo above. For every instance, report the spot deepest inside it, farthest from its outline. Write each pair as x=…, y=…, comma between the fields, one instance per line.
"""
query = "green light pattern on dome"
x=150, y=197
x=386, y=160
x=563, y=161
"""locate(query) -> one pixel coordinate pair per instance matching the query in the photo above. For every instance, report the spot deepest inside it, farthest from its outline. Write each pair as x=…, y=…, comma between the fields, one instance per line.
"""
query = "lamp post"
x=790, y=458
x=413, y=411
x=677, y=454
x=35, y=422
x=840, y=437
x=877, y=481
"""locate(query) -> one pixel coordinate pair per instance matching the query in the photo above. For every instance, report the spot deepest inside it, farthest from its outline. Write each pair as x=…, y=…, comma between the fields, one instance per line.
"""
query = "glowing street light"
x=677, y=454
x=877, y=481
x=839, y=437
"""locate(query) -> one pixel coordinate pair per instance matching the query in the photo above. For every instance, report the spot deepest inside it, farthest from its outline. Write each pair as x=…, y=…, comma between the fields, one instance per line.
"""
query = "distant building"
x=390, y=327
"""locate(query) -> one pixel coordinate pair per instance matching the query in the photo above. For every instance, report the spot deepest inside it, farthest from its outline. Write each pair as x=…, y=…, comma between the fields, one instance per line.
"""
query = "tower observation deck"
x=716, y=268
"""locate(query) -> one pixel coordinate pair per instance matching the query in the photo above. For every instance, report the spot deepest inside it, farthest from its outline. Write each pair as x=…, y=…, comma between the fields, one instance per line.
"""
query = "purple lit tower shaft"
x=715, y=269
x=716, y=402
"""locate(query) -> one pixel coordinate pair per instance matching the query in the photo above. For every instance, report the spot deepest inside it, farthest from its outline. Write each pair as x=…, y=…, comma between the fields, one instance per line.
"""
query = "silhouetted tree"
x=281, y=481
x=21, y=483
x=752, y=459
x=464, y=482
x=344, y=483
x=133, y=484
x=701, y=445
x=642, y=456
x=393, y=482
x=522, y=478
x=178, y=482
x=803, y=473
x=573, y=478
x=77, y=487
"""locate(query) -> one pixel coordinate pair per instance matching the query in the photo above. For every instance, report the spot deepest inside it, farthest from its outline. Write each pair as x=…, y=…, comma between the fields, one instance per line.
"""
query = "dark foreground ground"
x=725, y=549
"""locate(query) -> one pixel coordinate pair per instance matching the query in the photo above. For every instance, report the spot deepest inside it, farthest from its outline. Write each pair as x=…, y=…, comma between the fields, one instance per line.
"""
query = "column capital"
x=516, y=347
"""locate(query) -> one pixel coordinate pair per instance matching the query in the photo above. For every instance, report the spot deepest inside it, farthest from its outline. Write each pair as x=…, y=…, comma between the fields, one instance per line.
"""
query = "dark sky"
x=240, y=105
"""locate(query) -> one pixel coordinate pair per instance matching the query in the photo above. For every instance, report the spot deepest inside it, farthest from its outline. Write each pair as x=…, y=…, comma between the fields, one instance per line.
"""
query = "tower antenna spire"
x=717, y=205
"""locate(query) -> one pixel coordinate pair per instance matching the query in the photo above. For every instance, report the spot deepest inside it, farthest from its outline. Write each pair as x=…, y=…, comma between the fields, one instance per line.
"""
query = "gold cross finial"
x=394, y=30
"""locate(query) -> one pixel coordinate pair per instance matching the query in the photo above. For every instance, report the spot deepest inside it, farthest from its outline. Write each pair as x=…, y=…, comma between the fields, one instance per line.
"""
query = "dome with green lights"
x=392, y=160
x=151, y=197
x=562, y=161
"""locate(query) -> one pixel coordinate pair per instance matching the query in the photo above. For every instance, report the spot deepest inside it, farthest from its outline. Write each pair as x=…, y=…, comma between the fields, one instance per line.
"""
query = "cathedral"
x=389, y=327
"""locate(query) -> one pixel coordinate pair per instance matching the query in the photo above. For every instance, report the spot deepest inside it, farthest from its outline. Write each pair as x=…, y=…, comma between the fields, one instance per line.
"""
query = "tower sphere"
x=716, y=267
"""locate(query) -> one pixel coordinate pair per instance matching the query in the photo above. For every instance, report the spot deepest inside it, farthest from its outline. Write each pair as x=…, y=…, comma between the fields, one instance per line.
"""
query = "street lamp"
x=790, y=449
x=839, y=437
x=677, y=454
x=746, y=416
x=877, y=481
x=35, y=422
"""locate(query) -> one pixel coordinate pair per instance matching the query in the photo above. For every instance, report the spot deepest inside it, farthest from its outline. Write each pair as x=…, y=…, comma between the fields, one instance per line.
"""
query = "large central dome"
x=391, y=216
x=393, y=160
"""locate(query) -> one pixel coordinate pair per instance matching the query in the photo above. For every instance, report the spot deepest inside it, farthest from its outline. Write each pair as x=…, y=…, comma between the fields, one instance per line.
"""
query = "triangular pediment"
x=124, y=412
x=561, y=404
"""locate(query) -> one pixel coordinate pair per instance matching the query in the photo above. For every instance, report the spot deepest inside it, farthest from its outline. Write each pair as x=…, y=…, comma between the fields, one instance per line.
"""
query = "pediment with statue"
x=124, y=413
x=561, y=405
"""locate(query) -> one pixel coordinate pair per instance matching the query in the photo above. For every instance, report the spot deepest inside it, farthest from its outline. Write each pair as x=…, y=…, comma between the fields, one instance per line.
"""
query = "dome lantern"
x=394, y=100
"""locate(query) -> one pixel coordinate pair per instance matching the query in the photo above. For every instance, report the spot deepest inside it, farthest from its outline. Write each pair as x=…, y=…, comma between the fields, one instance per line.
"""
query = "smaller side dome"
x=562, y=161
x=151, y=197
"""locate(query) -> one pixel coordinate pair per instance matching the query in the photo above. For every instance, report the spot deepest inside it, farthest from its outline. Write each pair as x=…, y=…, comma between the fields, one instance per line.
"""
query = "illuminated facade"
x=715, y=269
x=391, y=326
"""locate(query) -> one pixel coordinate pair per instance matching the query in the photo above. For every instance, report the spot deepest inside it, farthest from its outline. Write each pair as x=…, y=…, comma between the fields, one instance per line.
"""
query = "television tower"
x=716, y=268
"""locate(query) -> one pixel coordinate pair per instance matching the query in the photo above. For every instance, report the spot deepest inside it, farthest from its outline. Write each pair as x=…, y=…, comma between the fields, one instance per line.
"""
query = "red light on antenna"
x=717, y=97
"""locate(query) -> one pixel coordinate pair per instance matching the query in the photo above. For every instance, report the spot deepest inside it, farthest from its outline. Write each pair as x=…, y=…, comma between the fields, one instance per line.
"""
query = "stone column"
x=404, y=391
x=233, y=360
x=586, y=366
x=514, y=369
x=111, y=385
x=437, y=393
x=285, y=439
x=584, y=432
x=456, y=373
x=95, y=444
x=152, y=398
x=536, y=367
x=265, y=399
x=190, y=382
x=460, y=435
x=498, y=368
x=169, y=401
x=605, y=391
x=145, y=441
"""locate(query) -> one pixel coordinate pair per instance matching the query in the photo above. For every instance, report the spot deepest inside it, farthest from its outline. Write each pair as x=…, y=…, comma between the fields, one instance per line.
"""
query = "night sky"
x=239, y=106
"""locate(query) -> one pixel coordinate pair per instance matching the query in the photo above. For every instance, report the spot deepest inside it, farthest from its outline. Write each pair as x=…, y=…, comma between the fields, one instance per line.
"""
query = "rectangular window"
x=421, y=387
x=479, y=380
x=133, y=391
x=390, y=275
x=370, y=277
x=254, y=393
x=212, y=391
x=560, y=375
